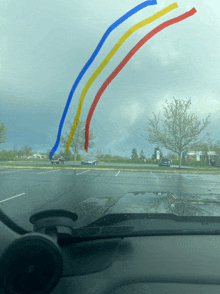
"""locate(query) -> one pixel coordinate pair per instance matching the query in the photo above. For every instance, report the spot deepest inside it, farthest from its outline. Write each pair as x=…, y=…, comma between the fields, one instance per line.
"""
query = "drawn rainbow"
x=106, y=61
x=90, y=61
x=125, y=61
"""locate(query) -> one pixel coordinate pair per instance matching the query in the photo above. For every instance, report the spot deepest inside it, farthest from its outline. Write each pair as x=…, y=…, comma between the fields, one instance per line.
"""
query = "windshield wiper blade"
x=116, y=218
x=102, y=231
x=143, y=224
x=96, y=233
x=83, y=234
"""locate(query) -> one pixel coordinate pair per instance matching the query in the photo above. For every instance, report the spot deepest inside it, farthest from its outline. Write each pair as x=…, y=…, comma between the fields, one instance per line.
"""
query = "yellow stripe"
x=106, y=61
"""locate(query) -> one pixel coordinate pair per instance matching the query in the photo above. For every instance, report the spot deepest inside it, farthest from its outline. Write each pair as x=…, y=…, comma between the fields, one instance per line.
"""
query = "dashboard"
x=146, y=264
x=155, y=264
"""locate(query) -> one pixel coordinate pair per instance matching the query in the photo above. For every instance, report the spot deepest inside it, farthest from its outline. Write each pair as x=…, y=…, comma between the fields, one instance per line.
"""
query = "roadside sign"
x=198, y=156
x=158, y=154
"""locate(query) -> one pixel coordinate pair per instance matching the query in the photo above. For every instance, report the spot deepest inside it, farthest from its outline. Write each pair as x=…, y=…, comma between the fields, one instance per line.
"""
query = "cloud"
x=166, y=54
x=123, y=118
x=131, y=112
x=203, y=102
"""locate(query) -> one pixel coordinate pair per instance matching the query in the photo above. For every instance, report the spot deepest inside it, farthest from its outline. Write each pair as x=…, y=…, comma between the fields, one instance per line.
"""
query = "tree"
x=26, y=150
x=99, y=154
x=142, y=156
x=216, y=148
x=77, y=143
x=180, y=128
x=134, y=154
x=172, y=155
x=66, y=156
x=3, y=132
x=48, y=152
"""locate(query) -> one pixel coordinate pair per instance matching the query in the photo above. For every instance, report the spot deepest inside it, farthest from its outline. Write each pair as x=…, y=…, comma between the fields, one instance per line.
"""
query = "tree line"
x=178, y=131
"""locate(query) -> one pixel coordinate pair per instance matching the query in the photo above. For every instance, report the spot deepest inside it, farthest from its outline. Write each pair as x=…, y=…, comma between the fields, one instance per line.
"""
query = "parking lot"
x=92, y=193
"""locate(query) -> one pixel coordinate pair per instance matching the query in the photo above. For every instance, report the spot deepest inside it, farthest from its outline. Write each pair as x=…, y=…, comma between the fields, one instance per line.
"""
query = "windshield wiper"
x=144, y=224
x=117, y=225
x=116, y=218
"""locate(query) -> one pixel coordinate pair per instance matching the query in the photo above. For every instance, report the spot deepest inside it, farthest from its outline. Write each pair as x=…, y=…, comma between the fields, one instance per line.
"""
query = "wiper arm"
x=91, y=234
x=62, y=224
x=115, y=218
x=151, y=225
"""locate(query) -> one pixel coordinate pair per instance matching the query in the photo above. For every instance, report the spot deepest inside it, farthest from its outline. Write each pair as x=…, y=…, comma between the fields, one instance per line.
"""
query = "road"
x=92, y=193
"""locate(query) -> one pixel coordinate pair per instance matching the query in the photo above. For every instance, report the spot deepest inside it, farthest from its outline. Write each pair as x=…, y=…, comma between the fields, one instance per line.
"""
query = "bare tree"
x=180, y=127
x=78, y=140
x=3, y=133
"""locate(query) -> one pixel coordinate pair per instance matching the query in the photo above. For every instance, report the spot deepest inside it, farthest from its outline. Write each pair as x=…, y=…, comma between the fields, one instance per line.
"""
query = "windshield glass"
x=124, y=84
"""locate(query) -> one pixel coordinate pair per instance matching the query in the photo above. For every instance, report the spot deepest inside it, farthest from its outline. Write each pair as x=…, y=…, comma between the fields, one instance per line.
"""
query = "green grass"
x=197, y=170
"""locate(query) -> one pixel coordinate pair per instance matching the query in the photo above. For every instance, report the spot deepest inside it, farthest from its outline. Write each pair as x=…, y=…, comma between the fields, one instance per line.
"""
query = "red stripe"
x=125, y=61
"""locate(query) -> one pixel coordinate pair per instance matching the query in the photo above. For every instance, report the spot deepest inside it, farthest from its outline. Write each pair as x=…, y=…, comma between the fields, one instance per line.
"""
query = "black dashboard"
x=154, y=263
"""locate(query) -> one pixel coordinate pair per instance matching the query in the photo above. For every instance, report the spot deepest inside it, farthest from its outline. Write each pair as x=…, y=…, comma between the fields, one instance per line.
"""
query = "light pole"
x=209, y=152
x=208, y=139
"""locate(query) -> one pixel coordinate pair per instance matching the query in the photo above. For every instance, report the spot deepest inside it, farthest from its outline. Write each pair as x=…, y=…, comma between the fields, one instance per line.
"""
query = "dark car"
x=90, y=160
x=164, y=162
x=57, y=160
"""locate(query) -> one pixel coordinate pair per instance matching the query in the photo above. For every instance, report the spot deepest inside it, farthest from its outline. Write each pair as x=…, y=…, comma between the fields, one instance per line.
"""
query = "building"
x=200, y=155
x=35, y=156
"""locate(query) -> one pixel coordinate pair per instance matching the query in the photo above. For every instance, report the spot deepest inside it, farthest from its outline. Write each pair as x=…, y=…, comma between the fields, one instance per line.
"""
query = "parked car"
x=164, y=162
x=57, y=160
x=90, y=160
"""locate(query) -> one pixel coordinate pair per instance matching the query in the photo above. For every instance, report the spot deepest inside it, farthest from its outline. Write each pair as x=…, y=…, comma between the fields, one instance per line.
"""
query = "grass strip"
x=200, y=170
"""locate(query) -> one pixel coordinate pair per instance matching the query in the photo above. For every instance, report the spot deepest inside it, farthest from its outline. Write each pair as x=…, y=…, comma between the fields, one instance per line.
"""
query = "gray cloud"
x=45, y=44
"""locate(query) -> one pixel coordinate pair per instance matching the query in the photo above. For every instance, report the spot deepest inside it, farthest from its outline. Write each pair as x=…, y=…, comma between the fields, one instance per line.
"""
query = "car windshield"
x=122, y=84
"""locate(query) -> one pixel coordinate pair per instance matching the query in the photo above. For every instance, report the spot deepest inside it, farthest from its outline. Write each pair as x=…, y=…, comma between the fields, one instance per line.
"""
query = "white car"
x=90, y=160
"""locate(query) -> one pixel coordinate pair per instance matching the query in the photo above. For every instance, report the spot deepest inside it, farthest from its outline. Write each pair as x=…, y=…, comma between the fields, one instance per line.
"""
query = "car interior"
x=127, y=253
x=44, y=47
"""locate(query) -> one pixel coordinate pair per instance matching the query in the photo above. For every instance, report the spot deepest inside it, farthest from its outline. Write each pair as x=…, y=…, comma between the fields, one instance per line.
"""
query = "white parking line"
x=186, y=177
x=48, y=171
x=117, y=173
x=83, y=172
x=7, y=172
x=154, y=175
x=12, y=197
x=209, y=179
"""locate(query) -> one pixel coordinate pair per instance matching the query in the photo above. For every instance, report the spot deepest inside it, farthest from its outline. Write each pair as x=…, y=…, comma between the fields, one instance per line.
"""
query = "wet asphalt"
x=93, y=193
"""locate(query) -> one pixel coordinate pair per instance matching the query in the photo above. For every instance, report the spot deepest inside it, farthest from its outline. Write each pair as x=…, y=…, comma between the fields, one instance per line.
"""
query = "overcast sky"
x=45, y=44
